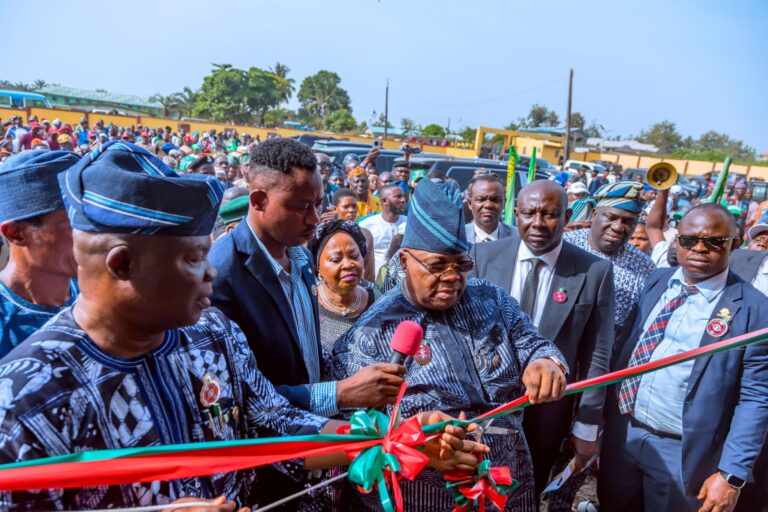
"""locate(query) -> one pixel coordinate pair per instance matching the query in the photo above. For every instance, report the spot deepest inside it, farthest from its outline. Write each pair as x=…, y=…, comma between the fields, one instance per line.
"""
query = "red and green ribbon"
x=396, y=457
x=395, y=454
x=492, y=483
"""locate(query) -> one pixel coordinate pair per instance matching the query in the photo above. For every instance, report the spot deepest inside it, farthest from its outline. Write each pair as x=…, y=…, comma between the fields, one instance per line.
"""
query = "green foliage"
x=340, y=121
x=433, y=130
x=540, y=116
x=577, y=121
x=233, y=95
x=468, y=134
x=170, y=103
x=277, y=116
x=320, y=94
x=186, y=101
x=408, y=125
x=595, y=130
x=286, y=85
x=663, y=135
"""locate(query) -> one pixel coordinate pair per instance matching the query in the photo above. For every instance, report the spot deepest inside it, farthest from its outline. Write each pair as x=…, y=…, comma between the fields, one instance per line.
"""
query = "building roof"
x=100, y=96
x=549, y=130
x=626, y=146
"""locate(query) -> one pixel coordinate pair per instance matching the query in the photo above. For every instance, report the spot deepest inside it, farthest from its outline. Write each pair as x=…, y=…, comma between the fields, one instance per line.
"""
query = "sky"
x=700, y=64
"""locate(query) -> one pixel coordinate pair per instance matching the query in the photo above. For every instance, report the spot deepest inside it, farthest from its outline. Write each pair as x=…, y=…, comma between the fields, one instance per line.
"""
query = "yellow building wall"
x=114, y=119
x=67, y=116
x=457, y=152
x=7, y=113
x=758, y=171
x=698, y=167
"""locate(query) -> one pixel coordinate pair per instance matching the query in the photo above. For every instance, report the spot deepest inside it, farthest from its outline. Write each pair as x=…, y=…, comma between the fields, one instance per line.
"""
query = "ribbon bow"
x=396, y=457
x=494, y=483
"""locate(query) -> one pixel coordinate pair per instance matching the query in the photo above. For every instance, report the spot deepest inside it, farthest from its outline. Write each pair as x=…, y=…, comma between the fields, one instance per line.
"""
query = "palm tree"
x=169, y=103
x=186, y=101
x=39, y=84
x=285, y=84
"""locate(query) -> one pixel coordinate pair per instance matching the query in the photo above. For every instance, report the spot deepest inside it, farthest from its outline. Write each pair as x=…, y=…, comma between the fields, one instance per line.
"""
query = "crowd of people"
x=165, y=288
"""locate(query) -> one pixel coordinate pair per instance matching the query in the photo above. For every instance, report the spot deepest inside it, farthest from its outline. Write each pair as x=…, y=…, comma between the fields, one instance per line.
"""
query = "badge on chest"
x=718, y=327
x=423, y=354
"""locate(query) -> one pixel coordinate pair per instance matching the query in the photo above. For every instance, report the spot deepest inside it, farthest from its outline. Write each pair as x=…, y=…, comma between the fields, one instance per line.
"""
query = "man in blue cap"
x=612, y=223
x=479, y=350
x=38, y=281
x=141, y=359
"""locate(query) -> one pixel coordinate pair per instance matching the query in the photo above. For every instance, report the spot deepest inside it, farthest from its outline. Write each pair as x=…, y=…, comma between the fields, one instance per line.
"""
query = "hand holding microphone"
x=377, y=385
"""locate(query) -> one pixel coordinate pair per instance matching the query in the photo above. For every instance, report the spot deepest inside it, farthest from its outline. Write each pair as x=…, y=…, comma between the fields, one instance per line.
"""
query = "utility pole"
x=386, y=109
x=568, y=120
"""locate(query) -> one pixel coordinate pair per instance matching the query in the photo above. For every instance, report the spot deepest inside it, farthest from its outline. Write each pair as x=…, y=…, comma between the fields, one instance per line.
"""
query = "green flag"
x=722, y=178
x=509, y=207
x=532, y=167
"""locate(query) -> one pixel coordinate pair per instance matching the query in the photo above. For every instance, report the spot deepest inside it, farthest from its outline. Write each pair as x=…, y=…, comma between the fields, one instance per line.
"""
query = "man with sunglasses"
x=688, y=437
x=479, y=350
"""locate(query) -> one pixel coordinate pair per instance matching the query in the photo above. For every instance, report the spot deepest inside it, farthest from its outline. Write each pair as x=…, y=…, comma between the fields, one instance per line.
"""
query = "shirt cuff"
x=322, y=399
x=585, y=432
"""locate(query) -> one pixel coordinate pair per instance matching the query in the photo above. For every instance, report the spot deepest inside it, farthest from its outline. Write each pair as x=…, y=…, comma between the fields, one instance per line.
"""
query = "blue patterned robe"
x=480, y=349
x=60, y=393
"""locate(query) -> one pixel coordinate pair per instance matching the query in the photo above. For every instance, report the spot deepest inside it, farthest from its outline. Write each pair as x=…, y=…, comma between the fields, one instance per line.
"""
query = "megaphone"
x=661, y=176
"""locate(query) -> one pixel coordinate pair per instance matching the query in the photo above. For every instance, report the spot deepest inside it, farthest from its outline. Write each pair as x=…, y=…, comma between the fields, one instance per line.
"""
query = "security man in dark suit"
x=569, y=294
x=266, y=283
x=688, y=437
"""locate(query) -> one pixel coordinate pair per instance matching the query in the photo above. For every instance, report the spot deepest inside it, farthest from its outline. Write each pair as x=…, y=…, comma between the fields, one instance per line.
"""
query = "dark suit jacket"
x=581, y=327
x=725, y=414
x=505, y=231
x=247, y=290
x=745, y=263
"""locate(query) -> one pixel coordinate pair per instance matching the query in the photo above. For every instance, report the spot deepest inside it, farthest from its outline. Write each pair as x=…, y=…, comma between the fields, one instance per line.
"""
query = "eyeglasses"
x=462, y=266
x=713, y=243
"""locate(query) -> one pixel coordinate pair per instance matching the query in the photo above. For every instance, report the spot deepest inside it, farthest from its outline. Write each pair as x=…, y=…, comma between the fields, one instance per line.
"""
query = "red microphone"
x=406, y=340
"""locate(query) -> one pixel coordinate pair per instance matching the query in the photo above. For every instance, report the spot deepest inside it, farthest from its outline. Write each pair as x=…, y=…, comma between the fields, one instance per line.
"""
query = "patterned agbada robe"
x=479, y=350
x=60, y=393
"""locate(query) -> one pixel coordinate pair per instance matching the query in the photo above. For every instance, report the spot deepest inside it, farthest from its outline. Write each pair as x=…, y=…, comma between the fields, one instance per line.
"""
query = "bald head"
x=541, y=215
x=547, y=187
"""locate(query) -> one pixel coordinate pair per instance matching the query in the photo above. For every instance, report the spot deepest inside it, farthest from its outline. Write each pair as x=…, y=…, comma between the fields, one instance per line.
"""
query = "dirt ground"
x=587, y=492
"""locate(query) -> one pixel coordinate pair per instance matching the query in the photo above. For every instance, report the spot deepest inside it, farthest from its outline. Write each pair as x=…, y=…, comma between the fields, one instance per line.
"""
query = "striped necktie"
x=648, y=343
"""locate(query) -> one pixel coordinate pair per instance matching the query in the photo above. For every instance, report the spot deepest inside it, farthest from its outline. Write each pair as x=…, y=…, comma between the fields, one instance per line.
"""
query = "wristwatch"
x=733, y=480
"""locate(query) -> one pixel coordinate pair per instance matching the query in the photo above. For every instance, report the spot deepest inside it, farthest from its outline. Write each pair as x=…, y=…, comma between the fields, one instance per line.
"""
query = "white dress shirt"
x=481, y=236
x=523, y=266
x=383, y=232
x=760, y=280
x=661, y=395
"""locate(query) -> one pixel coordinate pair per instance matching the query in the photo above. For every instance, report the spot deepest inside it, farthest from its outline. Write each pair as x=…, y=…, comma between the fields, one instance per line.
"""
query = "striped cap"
x=624, y=195
x=123, y=188
x=436, y=219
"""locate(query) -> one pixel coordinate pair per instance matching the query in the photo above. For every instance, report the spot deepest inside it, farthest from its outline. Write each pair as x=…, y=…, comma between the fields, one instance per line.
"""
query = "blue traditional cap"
x=123, y=188
x=581, y=210
x=436, y=219
x=624, y=195
x=28, y=182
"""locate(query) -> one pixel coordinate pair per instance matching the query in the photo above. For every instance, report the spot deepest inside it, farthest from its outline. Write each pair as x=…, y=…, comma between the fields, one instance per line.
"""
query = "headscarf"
x=624, y=195
x=123, y=188
x=326, y=230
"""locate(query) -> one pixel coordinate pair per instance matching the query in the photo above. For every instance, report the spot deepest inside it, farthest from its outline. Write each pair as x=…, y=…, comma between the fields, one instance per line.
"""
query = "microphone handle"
x=397, y=357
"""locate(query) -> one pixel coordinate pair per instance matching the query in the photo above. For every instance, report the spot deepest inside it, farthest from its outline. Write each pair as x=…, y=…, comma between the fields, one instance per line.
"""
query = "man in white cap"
x=577, y=190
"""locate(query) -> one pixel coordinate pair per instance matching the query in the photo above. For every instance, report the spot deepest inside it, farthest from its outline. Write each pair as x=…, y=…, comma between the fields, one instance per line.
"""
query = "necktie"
x=648, y=343
x=530, y=288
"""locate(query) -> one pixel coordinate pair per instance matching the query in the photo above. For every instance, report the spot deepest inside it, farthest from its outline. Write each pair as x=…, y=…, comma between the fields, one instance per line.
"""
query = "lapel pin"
x=717, y=327
x=560, y=296
x=423, y=355
x=209, y=399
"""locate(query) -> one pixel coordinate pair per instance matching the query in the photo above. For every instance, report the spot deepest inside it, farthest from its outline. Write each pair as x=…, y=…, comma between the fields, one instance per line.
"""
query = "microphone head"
x=407, y=338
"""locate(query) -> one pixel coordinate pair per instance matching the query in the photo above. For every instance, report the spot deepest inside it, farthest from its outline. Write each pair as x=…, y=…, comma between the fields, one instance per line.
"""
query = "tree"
x=594, y=130
x=169, y=103
x=39, y=84
x=186, y=101
x=577, y=121
x=408, y=125
x=433, y=130
x=286, y=85
x=382, y=121
x=663, y=135
x=320, y=94
x=264, y=90
x=515, y=125
x=277, y=116
x=468, y=134
x=340, y=121
x=233, y=95
x=715, y=146
x=540, y=116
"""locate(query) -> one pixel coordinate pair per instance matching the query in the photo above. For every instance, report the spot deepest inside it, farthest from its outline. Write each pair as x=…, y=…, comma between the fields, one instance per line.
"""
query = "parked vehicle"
x=22, y=99
x=578, y=164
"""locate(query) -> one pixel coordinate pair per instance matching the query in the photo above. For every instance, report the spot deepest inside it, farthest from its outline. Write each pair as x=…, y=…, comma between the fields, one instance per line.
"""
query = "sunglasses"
x=713, y=243
x=462, y=266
